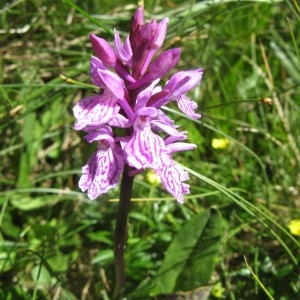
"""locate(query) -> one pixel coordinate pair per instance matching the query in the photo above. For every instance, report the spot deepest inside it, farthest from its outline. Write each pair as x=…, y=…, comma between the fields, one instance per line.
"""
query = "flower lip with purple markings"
x=130, y=98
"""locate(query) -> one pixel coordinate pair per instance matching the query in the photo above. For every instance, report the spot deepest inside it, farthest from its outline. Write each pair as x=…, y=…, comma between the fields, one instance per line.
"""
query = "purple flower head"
x=125, y=118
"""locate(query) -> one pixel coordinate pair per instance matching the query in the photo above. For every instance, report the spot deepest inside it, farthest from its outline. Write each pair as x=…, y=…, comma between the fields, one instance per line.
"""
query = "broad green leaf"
x=59, y=262
x=66, y=294
x=190, y=259
x=40, y=275
x=201, y=262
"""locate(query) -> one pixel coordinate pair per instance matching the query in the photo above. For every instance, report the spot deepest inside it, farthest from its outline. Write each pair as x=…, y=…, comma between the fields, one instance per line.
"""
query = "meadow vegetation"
x=231, y=238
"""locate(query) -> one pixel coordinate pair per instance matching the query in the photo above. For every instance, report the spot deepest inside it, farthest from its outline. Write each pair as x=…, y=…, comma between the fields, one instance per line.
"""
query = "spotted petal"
x=188, y=107
x=101, y=173
x=144, y=149
x=95, y=110
x=172, y=177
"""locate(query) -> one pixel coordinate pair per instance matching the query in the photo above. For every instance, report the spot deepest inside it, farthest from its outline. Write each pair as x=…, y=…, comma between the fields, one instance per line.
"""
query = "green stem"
x=121, y=231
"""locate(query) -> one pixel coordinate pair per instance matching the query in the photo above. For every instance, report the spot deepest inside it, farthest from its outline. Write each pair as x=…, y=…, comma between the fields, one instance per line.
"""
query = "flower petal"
x=101, y=173
x=175, y=147
x=119, y=120
x=169, y=129
x=164, y=63
x=171, y=177
x=95, y=65
x=100, y=133
x=188, y=107
x=123, y=52
x=103, y=50
x=95, y=110
x=154, y=41
x=113, y=83
x=143, y=97
x=182, y=82
x=144, y=149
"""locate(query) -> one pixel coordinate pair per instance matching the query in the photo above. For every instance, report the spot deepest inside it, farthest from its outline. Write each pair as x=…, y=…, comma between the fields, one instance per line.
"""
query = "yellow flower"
x=220, y=143
x=152, y=178
x=294, y=227
x=218, y=291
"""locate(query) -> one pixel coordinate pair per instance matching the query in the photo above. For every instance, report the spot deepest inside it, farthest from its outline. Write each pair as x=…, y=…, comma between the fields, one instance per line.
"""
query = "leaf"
x=59, y=262
x=41, y=275
x=29, y=203
x=7, y=260
x=190, y=259
x=204, y=255
x=103, y=257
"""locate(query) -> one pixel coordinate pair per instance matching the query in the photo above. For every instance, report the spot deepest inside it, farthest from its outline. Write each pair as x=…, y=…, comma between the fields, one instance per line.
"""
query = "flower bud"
x=103, y=50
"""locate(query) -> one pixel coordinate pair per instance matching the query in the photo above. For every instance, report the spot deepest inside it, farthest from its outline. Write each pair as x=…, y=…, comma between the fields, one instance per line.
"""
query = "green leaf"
x=29, y=203
x=201, y=262
x=7, y=260
x=40, y=275
x=103, y=257
x=59, y=262
x=190, y=259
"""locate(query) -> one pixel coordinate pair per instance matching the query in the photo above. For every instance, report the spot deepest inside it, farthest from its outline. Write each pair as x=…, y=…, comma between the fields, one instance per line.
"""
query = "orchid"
x=130, y=98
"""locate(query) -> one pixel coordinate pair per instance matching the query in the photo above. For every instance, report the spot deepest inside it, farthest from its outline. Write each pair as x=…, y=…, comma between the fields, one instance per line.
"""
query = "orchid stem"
x=121, y=231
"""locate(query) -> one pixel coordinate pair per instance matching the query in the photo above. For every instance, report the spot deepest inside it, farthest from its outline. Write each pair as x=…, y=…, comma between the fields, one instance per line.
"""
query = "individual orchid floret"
x=160, y=34
x=108, y=57
x=144, y=96
x=103, y=50
x=164, y=63
x=123, y=52
x=137, y=20
x=103, y=170
x=175, y=89
x=181, y=82
x=107, y=79
x=161, y=66
x=95, y=110
x=144, y=148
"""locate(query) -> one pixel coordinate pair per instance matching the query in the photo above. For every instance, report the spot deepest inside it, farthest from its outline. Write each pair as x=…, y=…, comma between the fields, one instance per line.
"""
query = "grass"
x=57, y=244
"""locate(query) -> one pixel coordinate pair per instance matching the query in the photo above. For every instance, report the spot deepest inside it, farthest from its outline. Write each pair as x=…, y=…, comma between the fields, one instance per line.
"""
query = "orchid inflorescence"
x=131, y=99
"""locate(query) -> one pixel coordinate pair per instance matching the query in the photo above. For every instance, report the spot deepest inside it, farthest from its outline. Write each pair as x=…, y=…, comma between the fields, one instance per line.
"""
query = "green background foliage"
x=57, y=244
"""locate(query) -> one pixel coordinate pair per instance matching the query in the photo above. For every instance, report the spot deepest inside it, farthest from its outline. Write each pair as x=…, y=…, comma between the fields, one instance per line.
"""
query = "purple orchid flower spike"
x=125, y=118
